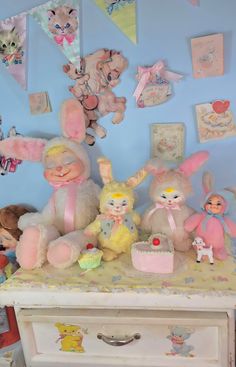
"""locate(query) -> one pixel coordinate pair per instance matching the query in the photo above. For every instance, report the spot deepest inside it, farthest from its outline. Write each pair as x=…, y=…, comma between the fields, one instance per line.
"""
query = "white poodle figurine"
x=202, y=250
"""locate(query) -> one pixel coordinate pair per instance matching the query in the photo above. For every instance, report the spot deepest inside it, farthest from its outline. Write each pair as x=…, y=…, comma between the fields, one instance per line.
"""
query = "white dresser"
x=117, y=316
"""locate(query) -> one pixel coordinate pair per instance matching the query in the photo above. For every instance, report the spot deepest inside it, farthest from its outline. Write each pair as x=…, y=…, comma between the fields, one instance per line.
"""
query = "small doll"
x=116, y=226
x=56, y=233
x=9, y=231
x=212, y=224
x=169, y=191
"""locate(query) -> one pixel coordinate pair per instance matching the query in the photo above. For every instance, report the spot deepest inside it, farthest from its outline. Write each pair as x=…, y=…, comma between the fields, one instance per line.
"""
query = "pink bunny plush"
x=212, y=224
x=56, y=233
x=169, y=191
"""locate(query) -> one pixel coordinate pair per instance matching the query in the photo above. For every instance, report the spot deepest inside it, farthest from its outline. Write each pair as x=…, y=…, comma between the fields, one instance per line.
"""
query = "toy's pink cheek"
x=47, y=174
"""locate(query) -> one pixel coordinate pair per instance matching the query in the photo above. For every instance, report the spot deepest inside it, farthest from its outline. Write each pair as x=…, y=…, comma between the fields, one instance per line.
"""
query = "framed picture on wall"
x=215, y=120
x=168, y=141
x=208, y=55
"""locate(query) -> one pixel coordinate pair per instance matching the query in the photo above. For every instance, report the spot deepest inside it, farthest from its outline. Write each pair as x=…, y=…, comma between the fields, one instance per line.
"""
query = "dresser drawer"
x=138, y=338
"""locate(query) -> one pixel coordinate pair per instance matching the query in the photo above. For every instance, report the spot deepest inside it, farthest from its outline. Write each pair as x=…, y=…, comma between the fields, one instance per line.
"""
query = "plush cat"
x=10, y=46
x=99, y=73
x=63, y=24
x=116, y=225
x=55, y=233
x=169, y=191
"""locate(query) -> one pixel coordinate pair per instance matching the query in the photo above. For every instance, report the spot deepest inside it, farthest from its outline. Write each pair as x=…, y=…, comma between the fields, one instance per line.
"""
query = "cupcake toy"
x=90, y=257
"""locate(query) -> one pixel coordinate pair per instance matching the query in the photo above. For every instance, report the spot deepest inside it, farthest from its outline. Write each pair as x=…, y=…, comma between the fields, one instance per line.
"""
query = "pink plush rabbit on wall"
x=55, y=234
x=213, y=224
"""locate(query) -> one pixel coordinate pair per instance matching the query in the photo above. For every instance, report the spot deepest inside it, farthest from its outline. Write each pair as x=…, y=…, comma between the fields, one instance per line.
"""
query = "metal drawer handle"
x=117, y=342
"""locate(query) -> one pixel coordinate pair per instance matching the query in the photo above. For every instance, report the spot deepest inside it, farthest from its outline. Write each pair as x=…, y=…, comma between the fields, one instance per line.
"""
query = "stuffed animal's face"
x=215, y=204
x=117, y=204
x=169, y=197
x=7, y=240
x=62, y=165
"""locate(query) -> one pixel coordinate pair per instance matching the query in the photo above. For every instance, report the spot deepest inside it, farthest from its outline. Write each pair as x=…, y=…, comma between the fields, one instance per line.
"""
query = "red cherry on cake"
x=156, y=241
x=89, y=246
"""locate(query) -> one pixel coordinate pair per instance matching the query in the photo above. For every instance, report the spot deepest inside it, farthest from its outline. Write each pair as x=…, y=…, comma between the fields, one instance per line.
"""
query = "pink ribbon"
x=70, y=205
x=169, y=213
x=60, y=38
x=146, y=74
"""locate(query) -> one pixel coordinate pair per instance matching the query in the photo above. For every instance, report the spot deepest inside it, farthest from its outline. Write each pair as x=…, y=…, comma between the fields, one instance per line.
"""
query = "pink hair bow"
x=169, y=213
x=146, y=74
x=60, y=38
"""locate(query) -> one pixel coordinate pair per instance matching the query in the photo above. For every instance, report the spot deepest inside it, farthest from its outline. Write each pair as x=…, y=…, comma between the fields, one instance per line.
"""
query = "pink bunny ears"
x=26, y=148
x=188, y=167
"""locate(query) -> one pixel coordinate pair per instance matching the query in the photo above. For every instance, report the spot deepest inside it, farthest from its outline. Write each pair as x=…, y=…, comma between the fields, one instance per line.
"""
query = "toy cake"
x=90, y=257
x=155, y=255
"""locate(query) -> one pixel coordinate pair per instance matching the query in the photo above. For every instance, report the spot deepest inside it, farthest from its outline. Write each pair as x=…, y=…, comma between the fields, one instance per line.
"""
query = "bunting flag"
x=13, y=47
x=122, y=13
x=60, y=20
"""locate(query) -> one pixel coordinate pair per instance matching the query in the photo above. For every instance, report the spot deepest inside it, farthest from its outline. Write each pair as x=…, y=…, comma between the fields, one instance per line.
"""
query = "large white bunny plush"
x=169, y=191
x=56, y=233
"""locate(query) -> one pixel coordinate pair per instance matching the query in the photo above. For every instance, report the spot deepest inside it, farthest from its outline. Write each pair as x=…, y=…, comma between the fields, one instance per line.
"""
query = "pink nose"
x=59, y=168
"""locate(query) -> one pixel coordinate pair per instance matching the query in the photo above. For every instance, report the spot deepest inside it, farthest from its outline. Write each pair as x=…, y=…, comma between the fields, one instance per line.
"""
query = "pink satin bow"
x=59, y=39
x=146, y=74
x=169, y=213
x=70, y=205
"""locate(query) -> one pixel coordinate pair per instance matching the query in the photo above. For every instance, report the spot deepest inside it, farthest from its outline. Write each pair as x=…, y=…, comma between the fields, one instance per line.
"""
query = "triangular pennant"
x=60, y=20
x=122, y=13
x=13, y=44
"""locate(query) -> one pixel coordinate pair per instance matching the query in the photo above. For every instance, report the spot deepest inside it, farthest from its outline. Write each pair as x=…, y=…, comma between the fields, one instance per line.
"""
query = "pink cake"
x=155, y=255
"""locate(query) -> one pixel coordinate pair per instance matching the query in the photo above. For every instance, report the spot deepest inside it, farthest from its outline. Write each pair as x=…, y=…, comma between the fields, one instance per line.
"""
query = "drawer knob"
x=118, y=342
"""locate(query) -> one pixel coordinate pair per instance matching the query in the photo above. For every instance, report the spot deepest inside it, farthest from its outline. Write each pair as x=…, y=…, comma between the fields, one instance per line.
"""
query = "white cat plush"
x=169, y=191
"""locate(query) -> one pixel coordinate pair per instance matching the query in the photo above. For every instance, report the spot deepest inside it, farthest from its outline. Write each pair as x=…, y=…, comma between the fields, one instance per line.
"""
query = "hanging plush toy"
x=99, y=73
x=169, y=191
x=116, y=226
x=74, y=204
x=213, y=224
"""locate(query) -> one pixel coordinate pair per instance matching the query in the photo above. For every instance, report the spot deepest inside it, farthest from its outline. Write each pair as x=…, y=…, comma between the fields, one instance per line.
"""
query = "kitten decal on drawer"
x=70, y=337
x=178, y=336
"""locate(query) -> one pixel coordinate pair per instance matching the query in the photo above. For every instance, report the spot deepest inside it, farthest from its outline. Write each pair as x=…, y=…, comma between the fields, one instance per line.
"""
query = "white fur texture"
x=87, y=203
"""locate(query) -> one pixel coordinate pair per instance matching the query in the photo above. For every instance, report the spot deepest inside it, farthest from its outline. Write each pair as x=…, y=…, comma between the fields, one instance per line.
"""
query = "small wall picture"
x=215, y=120
x=39, y=103
x=168, y=141
x=208, y=55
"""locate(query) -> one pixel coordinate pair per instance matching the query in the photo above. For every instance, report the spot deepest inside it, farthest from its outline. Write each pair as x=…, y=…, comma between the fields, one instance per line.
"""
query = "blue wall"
x=164, y=31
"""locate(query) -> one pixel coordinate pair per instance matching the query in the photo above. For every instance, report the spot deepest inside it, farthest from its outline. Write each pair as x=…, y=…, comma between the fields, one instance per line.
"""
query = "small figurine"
x=213, y=224
x=90, y=257
x=203, y=250
x=169, y=191
x=116, y=226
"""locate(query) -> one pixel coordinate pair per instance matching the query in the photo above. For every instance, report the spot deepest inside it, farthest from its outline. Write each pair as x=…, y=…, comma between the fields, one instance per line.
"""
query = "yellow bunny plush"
x=116, y=225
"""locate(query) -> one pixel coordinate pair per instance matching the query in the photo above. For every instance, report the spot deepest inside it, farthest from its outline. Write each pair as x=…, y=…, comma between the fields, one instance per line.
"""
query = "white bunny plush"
x=169, y=191
x=56, y=233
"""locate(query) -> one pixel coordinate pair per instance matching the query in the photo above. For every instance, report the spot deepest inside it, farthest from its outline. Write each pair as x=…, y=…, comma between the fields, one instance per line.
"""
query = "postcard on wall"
x=168, y=141
x=208, y=55
x=215, y=120
x=39, y=103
